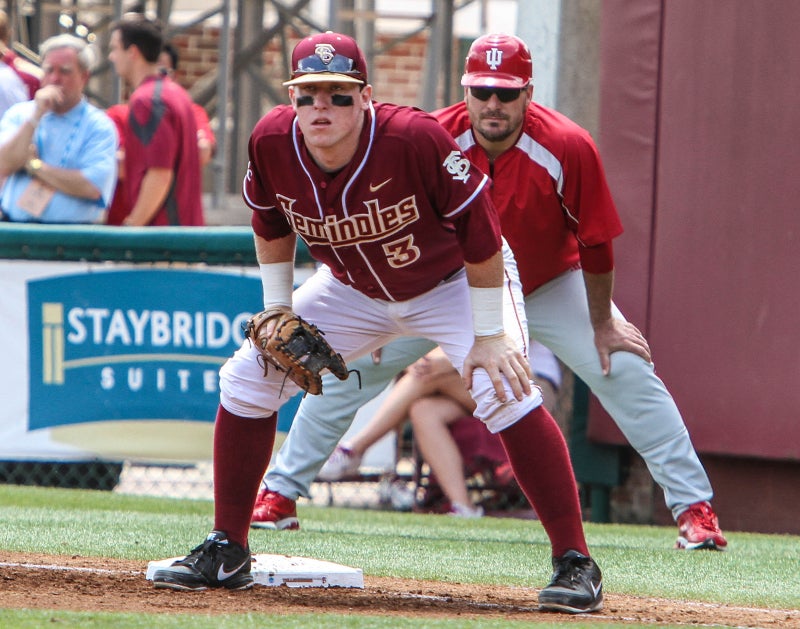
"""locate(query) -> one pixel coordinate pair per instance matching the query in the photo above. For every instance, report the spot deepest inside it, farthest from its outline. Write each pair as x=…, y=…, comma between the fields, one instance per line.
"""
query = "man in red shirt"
x=409, y=246
x=161, y=157
x=120, y=113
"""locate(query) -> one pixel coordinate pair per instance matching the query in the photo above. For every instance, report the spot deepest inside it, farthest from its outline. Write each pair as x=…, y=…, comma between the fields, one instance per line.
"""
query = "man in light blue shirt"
x=58, y=150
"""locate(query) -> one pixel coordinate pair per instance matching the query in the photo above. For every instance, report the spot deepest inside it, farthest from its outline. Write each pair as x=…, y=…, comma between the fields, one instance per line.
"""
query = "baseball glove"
x=296, y=348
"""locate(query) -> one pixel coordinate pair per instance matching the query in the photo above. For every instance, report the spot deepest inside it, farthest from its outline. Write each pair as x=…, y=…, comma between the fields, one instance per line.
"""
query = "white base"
x=297, y=572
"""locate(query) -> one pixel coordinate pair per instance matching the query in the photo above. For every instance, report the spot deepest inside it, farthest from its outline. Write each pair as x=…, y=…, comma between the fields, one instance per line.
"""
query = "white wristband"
x=487, y=310
x=277, y=280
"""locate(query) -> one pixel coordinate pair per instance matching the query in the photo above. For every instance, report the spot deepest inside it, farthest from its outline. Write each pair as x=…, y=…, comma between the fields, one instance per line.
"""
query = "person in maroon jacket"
x=409, y=245
x=162, y=162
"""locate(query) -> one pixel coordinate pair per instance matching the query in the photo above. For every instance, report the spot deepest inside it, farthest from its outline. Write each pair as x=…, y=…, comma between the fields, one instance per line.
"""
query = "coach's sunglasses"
x=504, y=94
x=339, y=63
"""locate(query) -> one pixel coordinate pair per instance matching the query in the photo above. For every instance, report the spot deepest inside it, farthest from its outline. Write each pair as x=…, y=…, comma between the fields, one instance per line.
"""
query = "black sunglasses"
x=504, y=94
x=339, y=63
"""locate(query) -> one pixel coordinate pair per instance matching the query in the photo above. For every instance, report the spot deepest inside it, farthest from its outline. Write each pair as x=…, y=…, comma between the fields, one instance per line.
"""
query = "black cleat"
x=216, y=563
x=576, y=586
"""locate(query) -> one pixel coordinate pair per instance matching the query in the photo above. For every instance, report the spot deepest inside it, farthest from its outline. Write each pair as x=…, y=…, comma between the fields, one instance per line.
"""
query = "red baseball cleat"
x=698, y=528
x=274, y=511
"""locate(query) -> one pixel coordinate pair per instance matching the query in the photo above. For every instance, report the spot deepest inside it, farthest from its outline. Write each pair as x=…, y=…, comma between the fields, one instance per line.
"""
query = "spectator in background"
x=119, y=209
x=28, y=73
x=162, y=163
x=206, y=140
x=57, y=149
x=12, y=89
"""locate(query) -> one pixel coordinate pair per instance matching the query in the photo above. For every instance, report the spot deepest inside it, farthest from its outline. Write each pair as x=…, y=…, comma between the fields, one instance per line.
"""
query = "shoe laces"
x=209, y=547
x=568, y=569
x=270, y=496
x=702, y=515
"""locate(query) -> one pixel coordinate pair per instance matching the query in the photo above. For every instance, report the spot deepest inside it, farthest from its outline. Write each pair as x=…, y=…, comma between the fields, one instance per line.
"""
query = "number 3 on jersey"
x=400, y=253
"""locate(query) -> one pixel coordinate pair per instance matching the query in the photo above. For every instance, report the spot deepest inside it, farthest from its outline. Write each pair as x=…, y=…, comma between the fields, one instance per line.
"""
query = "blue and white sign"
x=132, y=344
x=116, y=361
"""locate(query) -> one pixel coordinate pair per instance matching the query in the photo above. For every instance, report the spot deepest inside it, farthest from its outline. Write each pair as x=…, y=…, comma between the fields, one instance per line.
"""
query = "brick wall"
x=396, y=76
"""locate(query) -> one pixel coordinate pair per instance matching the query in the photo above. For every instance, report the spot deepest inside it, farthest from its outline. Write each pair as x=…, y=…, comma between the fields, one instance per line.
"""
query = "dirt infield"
x=90, y=584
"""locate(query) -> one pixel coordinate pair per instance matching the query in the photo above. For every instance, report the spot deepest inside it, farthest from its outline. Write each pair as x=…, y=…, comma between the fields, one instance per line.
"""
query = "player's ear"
x=366, y=96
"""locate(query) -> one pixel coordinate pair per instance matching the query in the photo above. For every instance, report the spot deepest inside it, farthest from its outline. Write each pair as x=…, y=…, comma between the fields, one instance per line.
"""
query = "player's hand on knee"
x=617, y=335
x=499, y=356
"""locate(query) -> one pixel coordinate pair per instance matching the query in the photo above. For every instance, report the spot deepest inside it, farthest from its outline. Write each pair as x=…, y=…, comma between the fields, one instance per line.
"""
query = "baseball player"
x=409, y=246
x=559, y=219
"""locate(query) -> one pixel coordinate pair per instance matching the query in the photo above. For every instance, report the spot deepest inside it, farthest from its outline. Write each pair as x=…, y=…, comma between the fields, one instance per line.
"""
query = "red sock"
x=540, y=460
x=242, y=449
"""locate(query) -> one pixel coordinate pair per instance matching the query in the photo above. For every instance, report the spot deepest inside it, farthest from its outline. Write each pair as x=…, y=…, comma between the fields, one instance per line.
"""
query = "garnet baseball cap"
x=328, y=57
x=498, y=61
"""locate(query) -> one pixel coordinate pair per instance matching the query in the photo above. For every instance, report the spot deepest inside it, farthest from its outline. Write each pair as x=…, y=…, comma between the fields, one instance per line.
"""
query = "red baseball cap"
x=498, y=61
x=328, y=57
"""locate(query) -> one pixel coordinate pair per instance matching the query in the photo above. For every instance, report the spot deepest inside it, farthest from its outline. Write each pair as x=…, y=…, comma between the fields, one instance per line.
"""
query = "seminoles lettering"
x=374, y=224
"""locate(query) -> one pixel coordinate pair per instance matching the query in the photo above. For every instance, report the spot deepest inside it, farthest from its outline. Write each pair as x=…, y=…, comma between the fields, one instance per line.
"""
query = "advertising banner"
x=116, y=361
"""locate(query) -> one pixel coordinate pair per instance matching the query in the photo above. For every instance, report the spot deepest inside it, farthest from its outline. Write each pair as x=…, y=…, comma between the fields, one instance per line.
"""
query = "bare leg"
x=430, y=417
x=412, y=386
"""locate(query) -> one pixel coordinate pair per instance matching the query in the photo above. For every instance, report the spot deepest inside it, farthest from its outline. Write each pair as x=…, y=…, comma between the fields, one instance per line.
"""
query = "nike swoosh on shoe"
x=223, y=574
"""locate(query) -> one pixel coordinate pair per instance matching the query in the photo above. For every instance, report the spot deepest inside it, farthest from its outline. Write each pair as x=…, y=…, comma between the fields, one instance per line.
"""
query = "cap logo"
x=326, y=52
x=494, y=57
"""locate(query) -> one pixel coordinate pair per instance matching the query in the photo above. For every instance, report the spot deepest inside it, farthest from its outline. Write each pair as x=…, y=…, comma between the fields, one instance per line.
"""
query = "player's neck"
x=495, y=149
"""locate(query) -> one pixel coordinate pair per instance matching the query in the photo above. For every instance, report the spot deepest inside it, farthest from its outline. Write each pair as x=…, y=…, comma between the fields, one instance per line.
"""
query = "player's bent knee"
x=499, y=415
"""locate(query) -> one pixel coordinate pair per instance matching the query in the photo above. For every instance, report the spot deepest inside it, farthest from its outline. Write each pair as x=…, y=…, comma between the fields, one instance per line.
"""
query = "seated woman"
x=431, y=394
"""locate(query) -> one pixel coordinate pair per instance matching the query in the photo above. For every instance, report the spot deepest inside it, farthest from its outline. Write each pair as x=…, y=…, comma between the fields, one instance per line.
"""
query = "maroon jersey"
x=550, y=191
x=162, y=133
x=403, y=215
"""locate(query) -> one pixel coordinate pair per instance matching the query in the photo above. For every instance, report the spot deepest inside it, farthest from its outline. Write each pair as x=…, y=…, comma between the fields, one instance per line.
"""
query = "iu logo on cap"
x=494, y=57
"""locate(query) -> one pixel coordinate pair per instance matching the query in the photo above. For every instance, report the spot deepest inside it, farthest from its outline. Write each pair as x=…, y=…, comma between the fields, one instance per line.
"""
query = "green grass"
x=80, y=620
x=757, y=570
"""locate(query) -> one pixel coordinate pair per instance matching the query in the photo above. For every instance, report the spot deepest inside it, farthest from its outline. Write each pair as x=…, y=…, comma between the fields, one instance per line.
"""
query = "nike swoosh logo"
x=223, y=574
x=373, y=188
x=597, y=589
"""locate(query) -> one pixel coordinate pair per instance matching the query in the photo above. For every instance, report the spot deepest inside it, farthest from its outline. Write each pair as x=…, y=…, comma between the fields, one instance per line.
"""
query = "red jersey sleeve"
x=597, y=259
x=586, y=195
